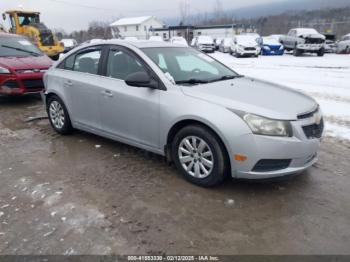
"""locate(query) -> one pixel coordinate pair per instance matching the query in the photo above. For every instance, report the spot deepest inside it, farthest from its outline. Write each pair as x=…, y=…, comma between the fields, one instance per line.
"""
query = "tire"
x=296, y=51
x=347, y=50
x=58, y=115
x=197, y=168
x=321, y=52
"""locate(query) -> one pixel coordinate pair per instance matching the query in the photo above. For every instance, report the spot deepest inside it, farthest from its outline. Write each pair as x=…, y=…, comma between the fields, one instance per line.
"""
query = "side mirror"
x=141, y=79
x=4, y=16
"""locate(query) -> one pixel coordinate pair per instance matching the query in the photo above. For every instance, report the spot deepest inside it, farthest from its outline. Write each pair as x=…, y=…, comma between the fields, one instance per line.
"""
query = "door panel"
x=128, y=112
x=82, y=84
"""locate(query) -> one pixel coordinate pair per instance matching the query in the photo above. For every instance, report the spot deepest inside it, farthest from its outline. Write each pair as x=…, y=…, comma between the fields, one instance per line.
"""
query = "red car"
x=22, y=66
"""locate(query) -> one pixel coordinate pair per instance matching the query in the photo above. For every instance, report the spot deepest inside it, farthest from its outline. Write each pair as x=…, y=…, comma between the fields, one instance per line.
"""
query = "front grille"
x=33, y=83
x=10, y=84
x=314, y=131
x=249, y=48
x=314, y=40
x=268, y=165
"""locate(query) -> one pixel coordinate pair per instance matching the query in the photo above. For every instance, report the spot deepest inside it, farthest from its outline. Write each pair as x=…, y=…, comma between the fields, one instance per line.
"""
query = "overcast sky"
x=76, y=14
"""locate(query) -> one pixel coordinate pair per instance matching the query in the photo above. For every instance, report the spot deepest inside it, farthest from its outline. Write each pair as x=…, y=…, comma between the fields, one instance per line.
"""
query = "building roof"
x=131, y=21
x=22, y=11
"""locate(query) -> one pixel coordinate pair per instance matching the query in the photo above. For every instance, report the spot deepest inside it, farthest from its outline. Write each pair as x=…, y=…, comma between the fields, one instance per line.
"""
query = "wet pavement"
x=82, y=194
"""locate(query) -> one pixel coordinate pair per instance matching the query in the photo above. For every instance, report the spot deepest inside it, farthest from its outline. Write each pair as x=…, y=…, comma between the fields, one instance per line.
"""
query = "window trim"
x=82, y=51
x=132, y=53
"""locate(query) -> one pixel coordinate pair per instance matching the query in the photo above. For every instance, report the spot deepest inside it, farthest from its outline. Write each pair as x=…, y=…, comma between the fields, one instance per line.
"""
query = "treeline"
x=96, y=29
x=336, y=20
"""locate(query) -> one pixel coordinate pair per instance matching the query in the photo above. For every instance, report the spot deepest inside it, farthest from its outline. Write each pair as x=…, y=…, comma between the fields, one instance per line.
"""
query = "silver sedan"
x=182, y=104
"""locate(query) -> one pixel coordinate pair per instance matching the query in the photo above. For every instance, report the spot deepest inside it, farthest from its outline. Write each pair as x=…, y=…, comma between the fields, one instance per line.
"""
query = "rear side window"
x=87, y=62
x=68, y=64
x=121, y=64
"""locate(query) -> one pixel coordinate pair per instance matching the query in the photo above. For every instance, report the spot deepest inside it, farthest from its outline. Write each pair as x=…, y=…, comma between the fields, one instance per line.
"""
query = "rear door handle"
x=107, y=93
x=68, y=83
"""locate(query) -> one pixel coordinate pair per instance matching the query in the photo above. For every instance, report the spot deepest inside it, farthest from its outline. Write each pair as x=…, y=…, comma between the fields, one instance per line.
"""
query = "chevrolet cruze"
x=180, y=103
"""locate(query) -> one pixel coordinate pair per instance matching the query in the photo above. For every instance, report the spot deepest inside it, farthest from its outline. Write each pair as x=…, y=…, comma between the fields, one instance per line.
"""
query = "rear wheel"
x=199, y=155
x=58, y=115
x=347, y=50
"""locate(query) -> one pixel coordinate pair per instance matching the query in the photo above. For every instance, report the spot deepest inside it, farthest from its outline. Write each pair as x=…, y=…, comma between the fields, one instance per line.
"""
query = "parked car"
x=217, y=42
x=276, y=37
x=22, y=66
x=344, y=45
x=330, y=44
x=270, y=46
x=304, y=40
x=194, y=110
x=205, y=44
x=225, y=45
x=69, y=44
x=156, y=38
x=256, y=36
x=245, y=45
x=179, y=40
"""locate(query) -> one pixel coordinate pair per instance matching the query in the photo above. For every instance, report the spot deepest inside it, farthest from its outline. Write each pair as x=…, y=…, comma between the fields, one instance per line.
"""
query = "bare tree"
x=184, y=7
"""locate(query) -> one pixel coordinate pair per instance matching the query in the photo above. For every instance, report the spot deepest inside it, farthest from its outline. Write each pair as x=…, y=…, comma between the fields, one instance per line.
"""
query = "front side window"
x=121, y=64
x=26, y=19
x=188, y=66
x=17, y=47
x=87, y=61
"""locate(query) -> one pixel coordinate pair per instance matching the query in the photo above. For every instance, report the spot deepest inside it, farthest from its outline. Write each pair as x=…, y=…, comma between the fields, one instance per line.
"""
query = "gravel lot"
x=82, y=194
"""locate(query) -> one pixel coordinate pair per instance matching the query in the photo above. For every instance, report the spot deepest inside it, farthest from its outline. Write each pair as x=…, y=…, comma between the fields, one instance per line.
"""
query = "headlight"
x=281, y=47
x=267, y=48
x=4, y=70
x=268, y=127
x=240, y=47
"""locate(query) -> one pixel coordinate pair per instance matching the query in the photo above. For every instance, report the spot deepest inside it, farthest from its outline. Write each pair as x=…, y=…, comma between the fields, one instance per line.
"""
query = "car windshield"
x=17, y=47
x=188, y=66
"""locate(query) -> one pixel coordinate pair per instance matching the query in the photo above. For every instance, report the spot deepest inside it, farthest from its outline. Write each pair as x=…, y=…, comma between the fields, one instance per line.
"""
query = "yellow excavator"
x=28, y=24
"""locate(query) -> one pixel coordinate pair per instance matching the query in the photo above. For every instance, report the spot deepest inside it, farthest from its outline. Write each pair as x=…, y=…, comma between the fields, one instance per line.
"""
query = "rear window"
x=17, y=47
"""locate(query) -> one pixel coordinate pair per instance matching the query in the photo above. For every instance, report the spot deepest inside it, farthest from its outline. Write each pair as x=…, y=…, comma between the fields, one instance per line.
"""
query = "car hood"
x=23, y=63
x=247, y=43
x=254, y=96
x=316, y=36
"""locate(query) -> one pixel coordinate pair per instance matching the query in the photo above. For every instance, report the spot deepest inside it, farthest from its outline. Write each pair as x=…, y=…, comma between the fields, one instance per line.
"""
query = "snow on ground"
x=327, y=79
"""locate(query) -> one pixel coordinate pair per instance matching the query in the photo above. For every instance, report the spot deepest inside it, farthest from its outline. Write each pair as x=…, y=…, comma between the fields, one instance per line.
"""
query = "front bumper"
x=206, y=49
x=310, y=47
x=20, y=84
x=300, y=150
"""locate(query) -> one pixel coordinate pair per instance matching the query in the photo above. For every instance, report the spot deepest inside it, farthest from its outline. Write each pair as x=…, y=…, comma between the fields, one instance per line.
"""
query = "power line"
x=108, y=9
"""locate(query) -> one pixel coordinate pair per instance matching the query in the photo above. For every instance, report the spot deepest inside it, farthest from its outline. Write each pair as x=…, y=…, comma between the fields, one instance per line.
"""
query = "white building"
x=139, y=27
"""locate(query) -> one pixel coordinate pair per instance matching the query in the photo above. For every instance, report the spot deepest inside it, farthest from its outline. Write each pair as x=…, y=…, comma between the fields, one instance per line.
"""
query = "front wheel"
x=58, y=115
x=199, y=155
x=321, y=52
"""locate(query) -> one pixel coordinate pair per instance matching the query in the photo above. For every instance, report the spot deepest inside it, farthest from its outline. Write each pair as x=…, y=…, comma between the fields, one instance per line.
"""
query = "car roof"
x=138, y=44
x=9, y=35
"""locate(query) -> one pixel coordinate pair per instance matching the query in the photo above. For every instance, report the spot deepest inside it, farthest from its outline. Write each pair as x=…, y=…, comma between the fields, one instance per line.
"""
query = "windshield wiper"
x=192, y=81
x=226, y=77
x=22, y=50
